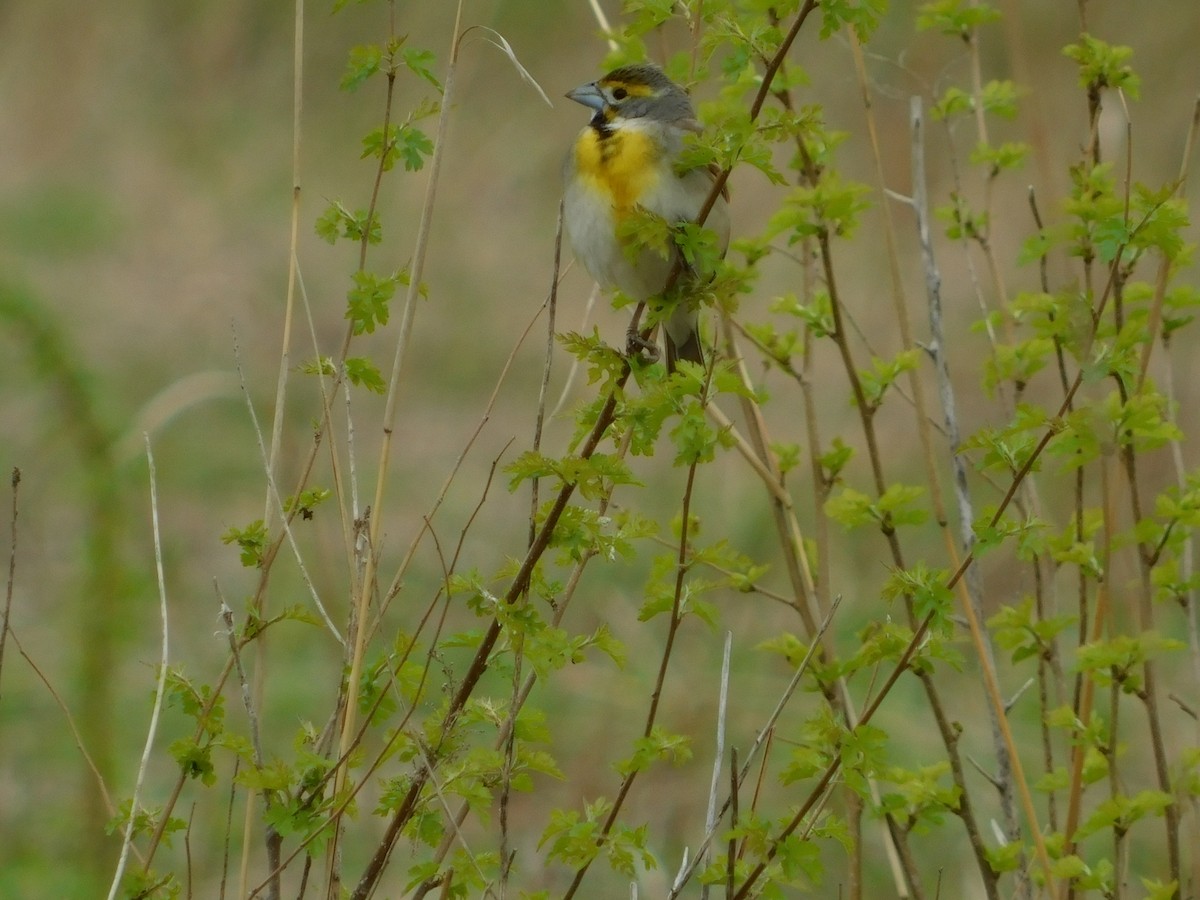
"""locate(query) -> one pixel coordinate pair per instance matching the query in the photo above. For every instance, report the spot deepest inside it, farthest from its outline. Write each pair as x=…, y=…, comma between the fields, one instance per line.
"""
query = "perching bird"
x=624, y=161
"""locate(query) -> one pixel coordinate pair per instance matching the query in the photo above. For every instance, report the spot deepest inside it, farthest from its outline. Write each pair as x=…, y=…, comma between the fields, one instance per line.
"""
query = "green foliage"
x=1103, y=65
x=920, y=799
x=955, y=17
x=829, y=208
x=883, y=374
x=1026, y=635
x=362, y=372
x=338, y=222
x=1120, y=661
x=306, y=502
x=251, y=540
x=659, y=745
x=593, y=476
x=861, y=15
x=145, y=822
x=897, y=506
x=363, y=62
x=369, y=299
x=576, y=841
x=927, y=591
x=403, y=142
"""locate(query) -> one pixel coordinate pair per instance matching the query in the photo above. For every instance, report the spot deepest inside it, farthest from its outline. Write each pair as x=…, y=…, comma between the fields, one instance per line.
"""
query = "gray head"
x=641, y=90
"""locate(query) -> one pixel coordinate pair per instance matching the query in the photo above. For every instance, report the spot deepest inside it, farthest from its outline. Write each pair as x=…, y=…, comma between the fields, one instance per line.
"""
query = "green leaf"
x=1103, y=65
x=419, y=62
x=364, y=61
x=572, y=839
x=195, y=760
x=251, y=540
x=954, y=102
x=368, y=299
x=361, y=372
x=643, y=231
x=925, y=588
x=1000, y=98
x=1120, y=812
x=883, y=374
x=861, y=15
x=695, y=439
x=955, y=18
x=659, y=746
x=817, y=314
x=414, y=146
x=1160, y=890
x=306, y=502
x=1009, y=155
x=1120, y=661
x=338, y=222
x=898, y=505
x=831, y=207
x=850, y=508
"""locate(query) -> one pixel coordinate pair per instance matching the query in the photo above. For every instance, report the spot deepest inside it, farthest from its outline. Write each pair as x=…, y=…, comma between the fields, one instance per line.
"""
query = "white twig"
x=160, y=690
x=763, y=733
x=682, y=873
x=710, y=819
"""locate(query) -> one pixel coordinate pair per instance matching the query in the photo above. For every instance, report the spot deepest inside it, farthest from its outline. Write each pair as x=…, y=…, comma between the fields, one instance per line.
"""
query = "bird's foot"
x=636, y=345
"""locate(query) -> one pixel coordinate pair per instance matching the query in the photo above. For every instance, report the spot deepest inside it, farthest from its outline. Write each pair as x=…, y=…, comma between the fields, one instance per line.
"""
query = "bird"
x=625, y=163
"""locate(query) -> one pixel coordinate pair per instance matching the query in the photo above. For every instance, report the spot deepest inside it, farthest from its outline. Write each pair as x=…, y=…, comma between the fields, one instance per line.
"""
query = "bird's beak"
x=589, y=95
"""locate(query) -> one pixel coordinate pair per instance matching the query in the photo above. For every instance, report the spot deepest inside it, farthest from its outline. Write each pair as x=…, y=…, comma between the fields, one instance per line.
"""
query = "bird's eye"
x=620, y=94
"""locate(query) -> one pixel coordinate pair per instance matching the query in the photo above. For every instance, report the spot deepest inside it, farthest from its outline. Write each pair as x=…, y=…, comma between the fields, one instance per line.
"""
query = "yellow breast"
x=620, y=166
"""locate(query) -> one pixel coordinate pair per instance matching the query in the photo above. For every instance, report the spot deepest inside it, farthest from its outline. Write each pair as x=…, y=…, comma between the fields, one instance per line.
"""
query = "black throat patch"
x=601, y=125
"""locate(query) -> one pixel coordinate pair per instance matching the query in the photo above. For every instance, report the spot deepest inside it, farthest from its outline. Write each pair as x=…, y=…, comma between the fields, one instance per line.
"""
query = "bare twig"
x=160, y=690
x=75, y=732
x=731, y=849
x=764, y=736
x=272, y=838
x=12, y=564
x=1009, y=768
x=391, y=402
x=293, y=252
x=552, y=309
x=710, y=817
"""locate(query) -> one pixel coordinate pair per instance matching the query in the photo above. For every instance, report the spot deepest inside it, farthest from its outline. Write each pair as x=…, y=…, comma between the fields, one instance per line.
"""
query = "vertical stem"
x=367, y=588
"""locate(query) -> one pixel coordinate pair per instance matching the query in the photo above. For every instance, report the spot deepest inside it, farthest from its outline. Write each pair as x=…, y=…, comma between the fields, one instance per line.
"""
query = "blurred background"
x=145, y=194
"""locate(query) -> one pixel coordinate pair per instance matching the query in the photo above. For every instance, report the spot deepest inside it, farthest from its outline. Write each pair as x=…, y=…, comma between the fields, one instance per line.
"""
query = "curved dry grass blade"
x=498, y=41
x=171, y=401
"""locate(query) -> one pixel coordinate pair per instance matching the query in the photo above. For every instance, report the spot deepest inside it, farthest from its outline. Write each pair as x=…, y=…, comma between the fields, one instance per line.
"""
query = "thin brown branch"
x=12, y=563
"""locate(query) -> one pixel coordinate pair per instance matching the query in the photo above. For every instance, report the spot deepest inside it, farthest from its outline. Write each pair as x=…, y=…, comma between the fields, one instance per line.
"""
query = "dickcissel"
x=626, y=163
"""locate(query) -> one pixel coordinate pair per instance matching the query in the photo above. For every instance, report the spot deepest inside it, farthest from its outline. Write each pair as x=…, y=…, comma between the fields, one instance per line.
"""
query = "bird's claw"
x=636, y=345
